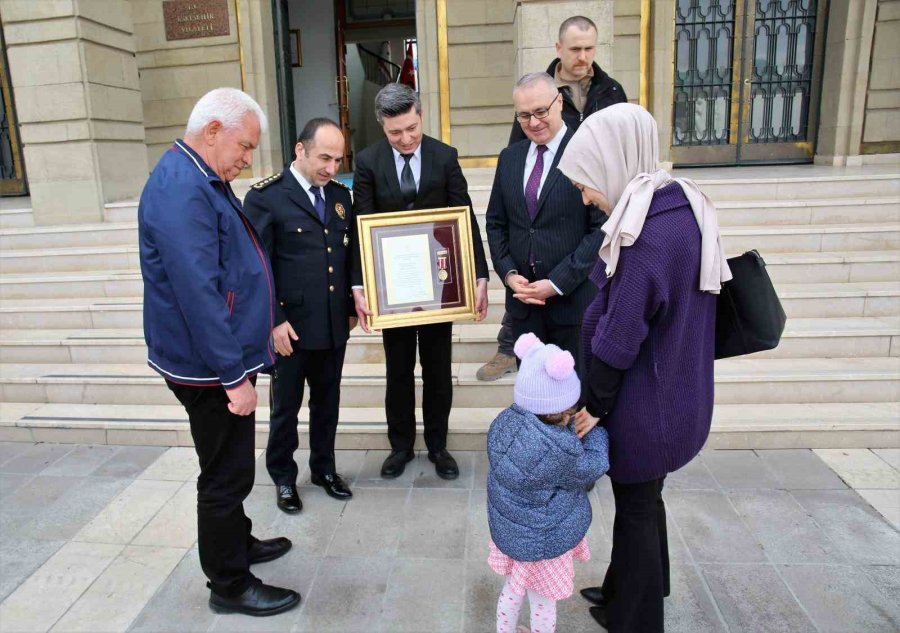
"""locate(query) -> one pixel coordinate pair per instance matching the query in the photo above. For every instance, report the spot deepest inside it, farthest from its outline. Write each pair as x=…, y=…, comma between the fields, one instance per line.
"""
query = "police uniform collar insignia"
x=265, y=182
x=339, y=209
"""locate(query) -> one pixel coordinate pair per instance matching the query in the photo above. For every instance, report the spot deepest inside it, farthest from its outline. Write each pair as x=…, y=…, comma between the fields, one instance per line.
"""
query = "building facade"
x=95, y=90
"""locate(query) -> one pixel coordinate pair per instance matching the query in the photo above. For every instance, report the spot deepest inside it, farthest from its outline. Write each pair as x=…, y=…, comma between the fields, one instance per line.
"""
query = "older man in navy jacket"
x=208, y=313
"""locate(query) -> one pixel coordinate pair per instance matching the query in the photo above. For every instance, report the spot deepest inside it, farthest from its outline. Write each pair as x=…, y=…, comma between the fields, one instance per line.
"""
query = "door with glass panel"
x=746, y=80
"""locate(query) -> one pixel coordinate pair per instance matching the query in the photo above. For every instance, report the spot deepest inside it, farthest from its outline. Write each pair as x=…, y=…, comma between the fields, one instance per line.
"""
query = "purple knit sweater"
x=651, y=321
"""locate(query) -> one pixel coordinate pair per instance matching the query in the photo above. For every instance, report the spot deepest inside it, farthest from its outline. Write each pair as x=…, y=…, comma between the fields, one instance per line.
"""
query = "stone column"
x=848, y=47
x=536, y=30
x=662, y=59
x=78, y=100
x=429, y=86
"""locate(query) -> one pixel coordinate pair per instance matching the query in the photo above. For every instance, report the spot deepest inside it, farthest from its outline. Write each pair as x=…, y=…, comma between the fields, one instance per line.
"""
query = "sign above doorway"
x=189, y=19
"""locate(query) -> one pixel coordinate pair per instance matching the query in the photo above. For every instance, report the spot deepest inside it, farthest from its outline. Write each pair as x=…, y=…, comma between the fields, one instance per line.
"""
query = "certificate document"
x=407, y=269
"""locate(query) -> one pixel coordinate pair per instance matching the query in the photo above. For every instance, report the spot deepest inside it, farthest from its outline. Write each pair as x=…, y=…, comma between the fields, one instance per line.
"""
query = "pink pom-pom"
x=525, y=343
x=560, y=365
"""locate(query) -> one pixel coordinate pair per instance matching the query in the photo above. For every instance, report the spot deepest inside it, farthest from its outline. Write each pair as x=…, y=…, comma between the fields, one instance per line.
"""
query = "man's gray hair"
x=228, y=106
x=395, y=99
x=533, y=79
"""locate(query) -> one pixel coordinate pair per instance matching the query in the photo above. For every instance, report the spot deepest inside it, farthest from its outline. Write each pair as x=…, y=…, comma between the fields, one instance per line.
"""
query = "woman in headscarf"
x=648, y=340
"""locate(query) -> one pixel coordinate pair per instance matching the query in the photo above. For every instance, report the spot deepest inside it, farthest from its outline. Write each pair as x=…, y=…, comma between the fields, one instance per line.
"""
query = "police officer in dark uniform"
x=304, y=218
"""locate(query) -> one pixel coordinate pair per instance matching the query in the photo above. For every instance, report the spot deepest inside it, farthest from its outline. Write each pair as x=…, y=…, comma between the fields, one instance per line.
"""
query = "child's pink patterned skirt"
x=554, y=578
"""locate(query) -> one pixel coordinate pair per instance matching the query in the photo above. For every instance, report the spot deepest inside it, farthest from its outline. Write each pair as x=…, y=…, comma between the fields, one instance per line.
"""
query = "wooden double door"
x=747, y=78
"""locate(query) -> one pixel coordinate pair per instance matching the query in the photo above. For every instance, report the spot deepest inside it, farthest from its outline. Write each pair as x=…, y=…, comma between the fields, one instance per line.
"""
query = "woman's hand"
x=584, y=422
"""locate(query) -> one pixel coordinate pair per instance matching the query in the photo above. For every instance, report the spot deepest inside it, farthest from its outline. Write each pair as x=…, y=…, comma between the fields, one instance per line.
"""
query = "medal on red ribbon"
x=442, y=262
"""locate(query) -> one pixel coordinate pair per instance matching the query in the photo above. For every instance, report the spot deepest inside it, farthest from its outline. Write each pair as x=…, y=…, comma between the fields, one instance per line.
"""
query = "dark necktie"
x=320, y=202
x=534, y=183
x=407, y=183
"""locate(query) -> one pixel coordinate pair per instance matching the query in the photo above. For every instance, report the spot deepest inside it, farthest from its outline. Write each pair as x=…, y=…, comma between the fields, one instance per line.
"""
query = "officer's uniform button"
x=329, y=249
x=331, y=269
x=326, y=231
x=531, y=231
x=330, y=288
x=299, y=230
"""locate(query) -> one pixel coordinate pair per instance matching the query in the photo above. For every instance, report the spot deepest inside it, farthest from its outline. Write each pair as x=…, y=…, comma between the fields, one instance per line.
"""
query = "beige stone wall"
x=174, y=74
x=881, y=131
x=78, y=101
x=480, y=52
x=626, y=47
x=848, y=46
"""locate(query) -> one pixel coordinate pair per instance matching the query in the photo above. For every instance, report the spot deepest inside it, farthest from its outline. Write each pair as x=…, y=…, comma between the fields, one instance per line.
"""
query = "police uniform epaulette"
x=340, y=184
x=265, y=182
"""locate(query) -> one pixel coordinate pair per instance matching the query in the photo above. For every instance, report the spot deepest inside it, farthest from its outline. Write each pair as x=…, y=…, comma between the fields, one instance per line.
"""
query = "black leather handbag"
x=749, y=316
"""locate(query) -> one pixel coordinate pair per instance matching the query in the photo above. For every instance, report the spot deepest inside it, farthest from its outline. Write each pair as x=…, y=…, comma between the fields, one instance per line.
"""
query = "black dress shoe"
x=334, y=486
x=288, y=500
x=257, y=600
x=395, y=463
x=269, y=549
x=599, y=614
x=444, y=464
x=593, y=594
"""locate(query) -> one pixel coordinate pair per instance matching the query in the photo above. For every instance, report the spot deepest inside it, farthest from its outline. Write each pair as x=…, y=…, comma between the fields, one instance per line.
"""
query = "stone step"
x=731, y=212
x=736, y=426
x=15, y=218
x=850, y=299
x=738, y=381
x=867, y=337
x=113, y=247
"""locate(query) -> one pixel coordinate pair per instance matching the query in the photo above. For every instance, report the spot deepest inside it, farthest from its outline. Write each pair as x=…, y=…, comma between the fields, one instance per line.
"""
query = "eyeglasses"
x=540, y=113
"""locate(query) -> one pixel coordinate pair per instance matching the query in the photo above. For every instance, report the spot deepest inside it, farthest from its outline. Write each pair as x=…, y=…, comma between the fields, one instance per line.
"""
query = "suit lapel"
x=427, y=157
x=299, y=197
x=554, y=174
x=518, y=171
x=389, y=174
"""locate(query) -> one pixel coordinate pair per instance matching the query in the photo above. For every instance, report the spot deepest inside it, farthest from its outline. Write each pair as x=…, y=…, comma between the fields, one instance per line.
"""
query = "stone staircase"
x=73, y=363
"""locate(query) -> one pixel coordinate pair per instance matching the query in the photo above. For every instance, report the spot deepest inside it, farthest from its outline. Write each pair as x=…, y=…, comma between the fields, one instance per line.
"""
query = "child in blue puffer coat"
x=538, y=510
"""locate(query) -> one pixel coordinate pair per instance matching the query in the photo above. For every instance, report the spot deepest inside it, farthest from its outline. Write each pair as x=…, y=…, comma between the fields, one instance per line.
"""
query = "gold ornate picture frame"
x=418, y=266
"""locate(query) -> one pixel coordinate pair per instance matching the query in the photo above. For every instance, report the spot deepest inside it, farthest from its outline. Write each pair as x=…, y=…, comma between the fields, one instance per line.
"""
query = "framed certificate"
x=418, y=266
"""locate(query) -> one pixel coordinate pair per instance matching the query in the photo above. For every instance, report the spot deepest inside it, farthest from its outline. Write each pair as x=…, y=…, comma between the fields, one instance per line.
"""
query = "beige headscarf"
x=616, y=152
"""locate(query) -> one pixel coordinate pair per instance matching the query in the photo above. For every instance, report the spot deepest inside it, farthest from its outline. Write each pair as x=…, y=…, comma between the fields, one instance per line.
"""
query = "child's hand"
x=584, y=422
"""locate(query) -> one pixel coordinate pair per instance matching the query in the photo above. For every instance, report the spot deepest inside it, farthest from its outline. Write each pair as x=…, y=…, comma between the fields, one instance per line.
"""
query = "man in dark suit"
x=408, y=170
x=305, y=220
x=585, y=89
x=543, y=239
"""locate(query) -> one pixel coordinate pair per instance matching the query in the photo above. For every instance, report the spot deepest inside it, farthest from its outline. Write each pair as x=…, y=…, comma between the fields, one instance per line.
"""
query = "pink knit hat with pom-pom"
x=547, y=382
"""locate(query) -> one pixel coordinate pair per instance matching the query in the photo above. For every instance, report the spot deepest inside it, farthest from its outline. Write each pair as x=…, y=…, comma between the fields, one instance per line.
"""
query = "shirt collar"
x=304, y=183
x=398, y=157
x=553, y=144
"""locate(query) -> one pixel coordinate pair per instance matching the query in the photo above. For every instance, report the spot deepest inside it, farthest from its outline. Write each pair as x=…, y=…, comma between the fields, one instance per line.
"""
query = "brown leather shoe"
x=497, y=367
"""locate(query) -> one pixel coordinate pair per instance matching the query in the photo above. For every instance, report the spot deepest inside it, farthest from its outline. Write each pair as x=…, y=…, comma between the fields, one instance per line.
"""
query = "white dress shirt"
x=549, y=155
x=415, y=164
x=305, y=185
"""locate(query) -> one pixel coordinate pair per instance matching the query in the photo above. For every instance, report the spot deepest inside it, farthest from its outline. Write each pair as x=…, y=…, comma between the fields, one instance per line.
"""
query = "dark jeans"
x=224, y=443
x=435, y=346
x=505, y=339
x=637, y=579
x=322, y=369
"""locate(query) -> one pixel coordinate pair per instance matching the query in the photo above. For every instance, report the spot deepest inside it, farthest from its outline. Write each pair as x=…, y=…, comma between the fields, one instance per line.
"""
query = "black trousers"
x=567, y=337
x=637, y=579
x=434, y=343
x=224, y=443
x=322, y=369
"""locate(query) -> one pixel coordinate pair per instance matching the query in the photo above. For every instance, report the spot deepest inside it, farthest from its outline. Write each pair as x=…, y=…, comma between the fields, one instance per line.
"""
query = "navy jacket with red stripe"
x=208, y=290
